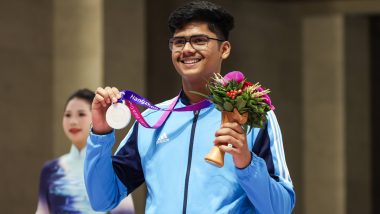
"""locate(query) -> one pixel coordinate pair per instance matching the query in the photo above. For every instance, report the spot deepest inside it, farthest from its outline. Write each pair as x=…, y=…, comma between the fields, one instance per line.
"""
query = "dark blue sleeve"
x=262, y=149
x=47, y=171
x=127, y=162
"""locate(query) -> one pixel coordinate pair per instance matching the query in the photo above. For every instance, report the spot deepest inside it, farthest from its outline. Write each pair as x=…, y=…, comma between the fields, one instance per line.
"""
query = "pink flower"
x=234, y=75
x=268, y=101
x=266, y=98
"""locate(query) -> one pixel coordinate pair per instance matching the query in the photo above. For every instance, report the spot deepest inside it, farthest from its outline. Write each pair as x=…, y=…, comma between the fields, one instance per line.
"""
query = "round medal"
x=118, y=116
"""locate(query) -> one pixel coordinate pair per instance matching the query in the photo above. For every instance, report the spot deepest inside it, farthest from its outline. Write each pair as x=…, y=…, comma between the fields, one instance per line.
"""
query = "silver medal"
x=118, y=116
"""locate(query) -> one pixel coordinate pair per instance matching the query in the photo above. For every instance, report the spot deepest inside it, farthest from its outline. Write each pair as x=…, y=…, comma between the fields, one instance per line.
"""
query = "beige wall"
x=77, y=56
x=26, y=110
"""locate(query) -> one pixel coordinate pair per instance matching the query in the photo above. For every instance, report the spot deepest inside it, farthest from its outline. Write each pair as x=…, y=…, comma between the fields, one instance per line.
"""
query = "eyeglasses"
x=198, y=42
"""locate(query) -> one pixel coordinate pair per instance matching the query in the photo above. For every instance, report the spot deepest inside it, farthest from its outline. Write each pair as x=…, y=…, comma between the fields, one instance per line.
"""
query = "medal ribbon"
x=131, y=98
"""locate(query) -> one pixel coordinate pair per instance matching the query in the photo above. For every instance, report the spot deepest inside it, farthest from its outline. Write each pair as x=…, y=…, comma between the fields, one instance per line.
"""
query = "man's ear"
x=226, y=49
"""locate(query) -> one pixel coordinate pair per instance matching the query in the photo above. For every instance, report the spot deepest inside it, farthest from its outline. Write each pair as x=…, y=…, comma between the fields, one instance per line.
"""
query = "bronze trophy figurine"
x=216, y=156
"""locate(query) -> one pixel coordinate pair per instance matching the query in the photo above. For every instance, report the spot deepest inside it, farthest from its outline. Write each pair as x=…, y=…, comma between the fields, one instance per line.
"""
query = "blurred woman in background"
x=62, y=188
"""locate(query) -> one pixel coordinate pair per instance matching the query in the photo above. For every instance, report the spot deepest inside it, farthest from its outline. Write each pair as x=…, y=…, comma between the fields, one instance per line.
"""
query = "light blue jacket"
x=170, y=160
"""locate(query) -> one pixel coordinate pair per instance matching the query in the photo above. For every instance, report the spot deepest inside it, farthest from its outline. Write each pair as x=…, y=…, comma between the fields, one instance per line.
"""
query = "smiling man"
x=197, y=53
x=170, y=159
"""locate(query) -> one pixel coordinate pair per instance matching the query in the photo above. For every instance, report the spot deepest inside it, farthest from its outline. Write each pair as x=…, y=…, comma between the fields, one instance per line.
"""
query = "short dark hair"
x=219, y=20
x=84, y=94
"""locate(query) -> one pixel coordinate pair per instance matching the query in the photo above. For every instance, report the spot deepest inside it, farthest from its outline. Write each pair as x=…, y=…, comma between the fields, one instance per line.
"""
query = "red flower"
x=246, y=85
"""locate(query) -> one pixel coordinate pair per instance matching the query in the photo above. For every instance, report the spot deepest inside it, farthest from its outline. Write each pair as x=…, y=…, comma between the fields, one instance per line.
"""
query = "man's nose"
x=188, y=47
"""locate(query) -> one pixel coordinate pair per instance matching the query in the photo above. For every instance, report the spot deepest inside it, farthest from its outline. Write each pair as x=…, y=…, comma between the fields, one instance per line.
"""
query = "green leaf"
x=220, y=93
x=241, y=103
x=227, y=99
x=228, y=106
x=240, y=85
x=250, y=104
x=245, y=109
x=219, y=107
x=245, y=96
x=217, y=98
x=201, y=94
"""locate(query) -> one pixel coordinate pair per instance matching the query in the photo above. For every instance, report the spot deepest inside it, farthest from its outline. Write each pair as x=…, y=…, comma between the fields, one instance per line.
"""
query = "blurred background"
x=321, y=59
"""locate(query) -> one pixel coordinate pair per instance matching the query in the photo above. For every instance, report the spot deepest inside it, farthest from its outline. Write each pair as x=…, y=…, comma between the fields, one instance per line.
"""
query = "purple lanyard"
x=131, y=98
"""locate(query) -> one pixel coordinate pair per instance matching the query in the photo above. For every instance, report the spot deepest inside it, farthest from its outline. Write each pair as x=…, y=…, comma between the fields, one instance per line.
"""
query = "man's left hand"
x=231, y=138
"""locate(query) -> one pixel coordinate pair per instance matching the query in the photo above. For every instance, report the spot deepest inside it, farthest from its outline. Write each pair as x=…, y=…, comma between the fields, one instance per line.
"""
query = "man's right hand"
x=104, y=97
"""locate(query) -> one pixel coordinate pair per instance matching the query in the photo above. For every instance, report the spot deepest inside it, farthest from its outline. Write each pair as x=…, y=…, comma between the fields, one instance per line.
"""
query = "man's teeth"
x=190, y=61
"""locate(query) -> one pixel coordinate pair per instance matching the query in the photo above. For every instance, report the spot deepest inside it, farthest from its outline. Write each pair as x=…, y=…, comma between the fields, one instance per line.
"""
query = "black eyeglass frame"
x=188, y=40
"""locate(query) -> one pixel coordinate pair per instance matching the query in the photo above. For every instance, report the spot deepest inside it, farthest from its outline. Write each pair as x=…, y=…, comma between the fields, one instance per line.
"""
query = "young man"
x=170, y=159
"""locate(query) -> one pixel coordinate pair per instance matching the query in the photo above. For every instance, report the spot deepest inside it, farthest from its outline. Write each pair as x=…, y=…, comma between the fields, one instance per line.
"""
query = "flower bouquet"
x=239, y=101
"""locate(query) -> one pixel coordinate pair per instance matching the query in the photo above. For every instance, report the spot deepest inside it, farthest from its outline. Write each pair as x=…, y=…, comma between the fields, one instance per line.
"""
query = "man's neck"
x=198, y=87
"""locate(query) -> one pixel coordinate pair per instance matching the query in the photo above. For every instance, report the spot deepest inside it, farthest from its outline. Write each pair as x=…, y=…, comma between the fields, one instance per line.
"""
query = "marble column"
x=78, y=56
x=324, y=114
x=26, y=107
x=358, y=115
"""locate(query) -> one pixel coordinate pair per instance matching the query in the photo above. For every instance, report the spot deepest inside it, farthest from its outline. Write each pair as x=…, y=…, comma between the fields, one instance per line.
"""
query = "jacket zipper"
x=196, y=113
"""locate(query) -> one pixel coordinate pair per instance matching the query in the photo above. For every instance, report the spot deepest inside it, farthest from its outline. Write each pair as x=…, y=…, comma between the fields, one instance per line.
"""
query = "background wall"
x=26, y=112
x=318, y=57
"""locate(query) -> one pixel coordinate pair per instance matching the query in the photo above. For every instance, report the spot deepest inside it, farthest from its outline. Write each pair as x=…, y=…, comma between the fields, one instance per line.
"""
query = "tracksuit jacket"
x=170, y=160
